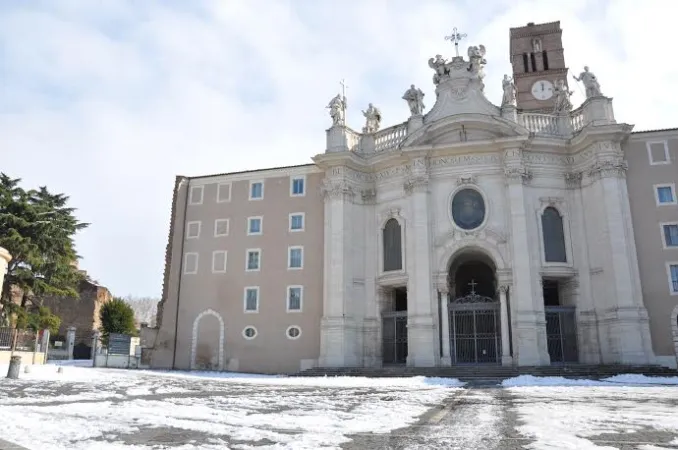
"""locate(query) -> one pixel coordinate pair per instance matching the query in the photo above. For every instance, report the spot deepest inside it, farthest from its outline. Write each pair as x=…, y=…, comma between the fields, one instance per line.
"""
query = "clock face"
x=542, y=90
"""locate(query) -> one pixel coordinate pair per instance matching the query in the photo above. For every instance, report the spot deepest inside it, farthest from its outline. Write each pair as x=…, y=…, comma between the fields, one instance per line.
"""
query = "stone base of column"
x=507, y=360
x=530, y=339
x=446, y=361
x=421, y=345
x=338, y=343
x=626, y=336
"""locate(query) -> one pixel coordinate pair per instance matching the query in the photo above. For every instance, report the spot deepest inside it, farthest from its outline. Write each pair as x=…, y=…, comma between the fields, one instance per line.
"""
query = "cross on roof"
x=343, y=87
x=455, y=37
x=473, y=285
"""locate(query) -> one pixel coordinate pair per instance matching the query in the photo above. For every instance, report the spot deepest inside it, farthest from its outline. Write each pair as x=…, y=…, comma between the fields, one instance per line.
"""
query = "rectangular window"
x=545, y=57
x=221, y=227
x=665, y=194
x=195, y=197
x=525, y=66
x=658, y=152
x=294, y=298
x=254, y=225
x=253, y=261
x=193, y=229
x=670, y=235
x=251, y=299
x=534, y=62
x=256, y=190
x=672, y=271
x=223, y=192
x=297, y=222
x=191, y=263
x=219, y=261
x=296, y=258
x=297, y=186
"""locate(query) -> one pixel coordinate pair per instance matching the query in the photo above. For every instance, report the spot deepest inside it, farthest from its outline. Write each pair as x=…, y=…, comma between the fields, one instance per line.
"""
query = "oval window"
x=468, y=209
x=293, y=332
x=249, y=333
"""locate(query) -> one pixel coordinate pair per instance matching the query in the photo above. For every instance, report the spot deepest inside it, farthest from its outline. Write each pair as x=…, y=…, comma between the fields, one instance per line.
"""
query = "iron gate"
x=475, y=335
x=561, y=334
x=394, y=337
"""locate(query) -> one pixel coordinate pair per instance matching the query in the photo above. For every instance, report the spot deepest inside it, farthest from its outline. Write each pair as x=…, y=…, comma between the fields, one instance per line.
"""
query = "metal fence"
x=19, y=340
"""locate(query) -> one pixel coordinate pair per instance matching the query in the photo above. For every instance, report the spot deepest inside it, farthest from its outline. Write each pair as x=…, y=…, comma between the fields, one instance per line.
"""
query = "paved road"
x=469, y=419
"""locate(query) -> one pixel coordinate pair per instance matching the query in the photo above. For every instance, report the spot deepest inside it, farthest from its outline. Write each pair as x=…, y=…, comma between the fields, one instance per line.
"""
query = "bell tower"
x=538, y=61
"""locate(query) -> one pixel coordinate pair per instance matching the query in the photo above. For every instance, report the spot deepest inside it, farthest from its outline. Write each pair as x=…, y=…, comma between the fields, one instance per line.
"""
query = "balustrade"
x=389, y=138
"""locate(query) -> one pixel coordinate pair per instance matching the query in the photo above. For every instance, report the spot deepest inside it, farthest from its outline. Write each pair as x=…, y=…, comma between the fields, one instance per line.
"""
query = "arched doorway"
x=474, y=310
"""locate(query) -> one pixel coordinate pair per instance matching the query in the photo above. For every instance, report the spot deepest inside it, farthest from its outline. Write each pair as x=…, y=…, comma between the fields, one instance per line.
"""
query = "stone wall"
x=82, y=312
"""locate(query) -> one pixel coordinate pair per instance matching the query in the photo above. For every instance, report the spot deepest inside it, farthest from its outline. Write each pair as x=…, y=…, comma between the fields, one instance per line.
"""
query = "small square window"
x=193, y=229
x=251, y=299
x=672, y=271
x=294, y=298
x=219, y=261
x=298, y=186
x=253, y=260
x=296, y=258
x=223, y=192
x=195, y=197
x=221, y=227
x=256, y=190
x=190, y=263
x=658, y=152
x=670, y=235
x=297, y=222
x=254, y=225
x=665, y=194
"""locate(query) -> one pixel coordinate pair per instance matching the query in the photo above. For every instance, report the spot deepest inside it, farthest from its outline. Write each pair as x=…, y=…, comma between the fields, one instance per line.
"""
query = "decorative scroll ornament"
x=473, y=297
x=605, y=169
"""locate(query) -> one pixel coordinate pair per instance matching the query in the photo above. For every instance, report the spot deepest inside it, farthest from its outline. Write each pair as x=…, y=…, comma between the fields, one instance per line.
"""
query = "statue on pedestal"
x=337, y=107
x=590, y=83
x=415, y=100
x=509, y=87
x=563, y=103
x=372, y=119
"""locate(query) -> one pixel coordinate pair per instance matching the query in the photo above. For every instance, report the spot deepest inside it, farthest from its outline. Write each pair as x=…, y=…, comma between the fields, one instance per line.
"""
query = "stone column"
x=623, y=319
x=446, y=359
x=44, y=345
x=5, y=258
x=506, y=359
x=70, y=341
x=422, y=327
x=338, y=327
x=530, y=332
x=96, y=336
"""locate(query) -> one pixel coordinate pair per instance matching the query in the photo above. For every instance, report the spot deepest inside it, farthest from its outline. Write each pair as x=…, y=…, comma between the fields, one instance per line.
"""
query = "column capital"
x=504, y=288
x=417, y=183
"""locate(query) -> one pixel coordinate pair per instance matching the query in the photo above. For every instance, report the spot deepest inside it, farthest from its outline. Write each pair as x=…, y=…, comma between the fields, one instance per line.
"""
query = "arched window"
x=554, y=235
x=393, y=255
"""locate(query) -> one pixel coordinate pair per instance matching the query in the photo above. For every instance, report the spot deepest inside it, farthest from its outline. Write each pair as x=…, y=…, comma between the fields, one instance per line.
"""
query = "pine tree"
x=116, y=317
x=38, y=229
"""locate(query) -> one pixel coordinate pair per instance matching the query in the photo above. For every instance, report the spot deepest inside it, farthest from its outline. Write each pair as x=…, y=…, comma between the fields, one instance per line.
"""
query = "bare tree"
x=145, y=309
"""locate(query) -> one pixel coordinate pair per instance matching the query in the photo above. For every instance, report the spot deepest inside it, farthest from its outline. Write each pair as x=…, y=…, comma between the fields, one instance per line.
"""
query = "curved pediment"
x=464, y=128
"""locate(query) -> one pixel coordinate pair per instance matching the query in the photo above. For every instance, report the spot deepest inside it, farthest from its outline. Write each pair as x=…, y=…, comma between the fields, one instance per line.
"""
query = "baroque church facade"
x=473, y=233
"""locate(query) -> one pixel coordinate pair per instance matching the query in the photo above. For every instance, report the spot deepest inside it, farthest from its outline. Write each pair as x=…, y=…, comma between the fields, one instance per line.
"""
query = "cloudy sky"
x=108, y=100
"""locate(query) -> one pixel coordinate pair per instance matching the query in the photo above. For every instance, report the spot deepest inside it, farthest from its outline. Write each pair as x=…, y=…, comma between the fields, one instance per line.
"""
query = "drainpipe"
x=181, y=272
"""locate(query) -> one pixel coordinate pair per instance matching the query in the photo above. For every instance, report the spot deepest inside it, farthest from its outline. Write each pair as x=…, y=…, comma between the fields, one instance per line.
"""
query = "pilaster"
x=623, y=320
x=506, y=358
x=422, y=305
x=530, y=323
x=338, y=325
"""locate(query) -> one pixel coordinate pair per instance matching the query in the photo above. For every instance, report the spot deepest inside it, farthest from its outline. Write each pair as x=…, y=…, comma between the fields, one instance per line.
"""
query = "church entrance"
x=474, y=314
x=394, y=328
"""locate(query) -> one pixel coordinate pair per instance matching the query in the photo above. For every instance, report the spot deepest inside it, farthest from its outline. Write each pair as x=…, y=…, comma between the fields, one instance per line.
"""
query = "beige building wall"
x=212, y=316
x=653, y=162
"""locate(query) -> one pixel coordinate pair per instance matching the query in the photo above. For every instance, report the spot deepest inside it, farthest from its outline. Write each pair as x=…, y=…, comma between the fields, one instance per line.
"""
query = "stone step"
x=491, y=372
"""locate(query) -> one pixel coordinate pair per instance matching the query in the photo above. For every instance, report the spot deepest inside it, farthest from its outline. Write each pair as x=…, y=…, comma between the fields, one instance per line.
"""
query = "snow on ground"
x=88, y=408
x=587, y=415
x=626, y=380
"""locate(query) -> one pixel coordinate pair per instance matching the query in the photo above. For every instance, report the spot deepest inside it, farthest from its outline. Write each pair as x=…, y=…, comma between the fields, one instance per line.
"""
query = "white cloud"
x=107, y=101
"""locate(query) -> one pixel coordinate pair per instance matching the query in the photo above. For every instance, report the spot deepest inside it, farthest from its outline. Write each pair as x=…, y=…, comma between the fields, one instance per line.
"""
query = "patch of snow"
x=631, y=379
x=531, y=380
x=564, y=417
x=72, y=362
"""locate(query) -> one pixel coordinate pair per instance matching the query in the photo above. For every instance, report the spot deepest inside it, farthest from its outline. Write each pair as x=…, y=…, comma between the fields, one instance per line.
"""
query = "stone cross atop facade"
x=343, y=95
x=455, y=37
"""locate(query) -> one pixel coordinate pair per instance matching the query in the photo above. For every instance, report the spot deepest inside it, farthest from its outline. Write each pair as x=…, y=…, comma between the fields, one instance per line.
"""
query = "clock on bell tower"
x=538, y=61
